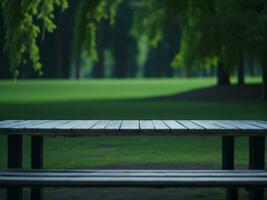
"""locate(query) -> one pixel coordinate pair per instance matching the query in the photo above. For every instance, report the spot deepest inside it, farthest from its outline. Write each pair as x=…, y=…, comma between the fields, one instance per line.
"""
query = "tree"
x=159, y=58
x=24, y=22
x=257, y=41
x=4, y=69
x=223, y=75
x=123, y=44
x=241, y=73
x=217, y=31
x=103, y=33
x=56, y=47
x=88, y=15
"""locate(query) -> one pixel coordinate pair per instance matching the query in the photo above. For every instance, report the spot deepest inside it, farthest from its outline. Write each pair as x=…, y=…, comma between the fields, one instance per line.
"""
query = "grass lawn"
x=121, y=99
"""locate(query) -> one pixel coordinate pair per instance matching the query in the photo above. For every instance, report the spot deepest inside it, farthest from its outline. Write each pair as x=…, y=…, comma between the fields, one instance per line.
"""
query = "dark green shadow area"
x=132, y=109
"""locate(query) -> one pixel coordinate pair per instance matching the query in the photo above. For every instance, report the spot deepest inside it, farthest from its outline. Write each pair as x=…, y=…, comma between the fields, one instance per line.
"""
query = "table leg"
x=256, y=161
x=228, y=144
x=14, y=160
x=36, y=163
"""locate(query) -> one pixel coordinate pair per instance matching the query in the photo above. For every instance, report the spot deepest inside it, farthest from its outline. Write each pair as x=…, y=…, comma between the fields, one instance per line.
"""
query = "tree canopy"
x=212, y=31
x=25, y=21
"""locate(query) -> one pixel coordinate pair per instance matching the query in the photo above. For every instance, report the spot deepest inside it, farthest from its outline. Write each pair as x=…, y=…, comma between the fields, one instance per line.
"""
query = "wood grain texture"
x=134, y=127
x=114, y=125
x=175, y=126
x=256, y=123
x=160, y=126
x=192, y=127
x=146, y=126
x=134, y=178
x=209, y=126
x=131, y=126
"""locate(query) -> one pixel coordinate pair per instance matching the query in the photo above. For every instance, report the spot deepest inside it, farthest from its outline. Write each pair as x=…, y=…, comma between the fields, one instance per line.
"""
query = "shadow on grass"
x=132, y=109
x=233, y=93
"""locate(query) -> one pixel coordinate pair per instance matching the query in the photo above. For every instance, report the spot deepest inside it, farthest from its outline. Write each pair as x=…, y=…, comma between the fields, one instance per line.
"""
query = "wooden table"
x=133, y=127
x=256, y=130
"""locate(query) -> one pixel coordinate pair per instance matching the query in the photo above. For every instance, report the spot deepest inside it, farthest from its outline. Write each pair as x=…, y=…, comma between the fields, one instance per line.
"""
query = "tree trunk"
x=120, y=64
x=250, y=64
x=59, y=51
x=241, y=73
x=98, y=69
x=78, y=68
x=264, y=83
x=223, y=76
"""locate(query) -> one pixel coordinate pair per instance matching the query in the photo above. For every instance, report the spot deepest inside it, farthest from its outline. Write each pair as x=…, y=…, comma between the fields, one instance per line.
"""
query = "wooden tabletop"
x=134, y=127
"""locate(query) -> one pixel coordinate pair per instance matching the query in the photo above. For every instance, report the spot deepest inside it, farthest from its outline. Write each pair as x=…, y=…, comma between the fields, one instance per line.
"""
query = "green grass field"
x=114, y=99
x=122, y=99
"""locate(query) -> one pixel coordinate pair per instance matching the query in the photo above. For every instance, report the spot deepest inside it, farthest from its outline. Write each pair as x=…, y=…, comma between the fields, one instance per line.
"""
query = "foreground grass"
x=84, y=152
x=134, y=150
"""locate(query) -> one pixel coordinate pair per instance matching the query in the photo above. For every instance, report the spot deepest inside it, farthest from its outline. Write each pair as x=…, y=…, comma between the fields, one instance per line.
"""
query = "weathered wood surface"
x=134, y=178
x=134, y=127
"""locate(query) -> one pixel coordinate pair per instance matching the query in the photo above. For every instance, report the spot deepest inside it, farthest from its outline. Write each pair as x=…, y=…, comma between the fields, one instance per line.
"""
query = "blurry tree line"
x=134, y=38
x=120, y=54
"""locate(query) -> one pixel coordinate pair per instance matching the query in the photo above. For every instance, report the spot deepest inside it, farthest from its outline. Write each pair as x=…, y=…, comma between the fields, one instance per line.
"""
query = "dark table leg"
x=37, y=163
x=14, y=160
x=228, y=146
x=256, y=161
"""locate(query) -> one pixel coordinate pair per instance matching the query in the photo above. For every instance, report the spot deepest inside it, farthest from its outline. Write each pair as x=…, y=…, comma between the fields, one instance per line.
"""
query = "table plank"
x=256, y=123
x=50, y=125
x=160, y=126
x=175, y=126
x=192, y=127
x=68, y=125
x=240, y=124
x=208, y=126
x=146, y=126
x=85, y=125
x=130, y=126
x=5, y=122
x=101, y=124
x=29, y=124
x=225, y=126
x=114, y=125
x=13, y=124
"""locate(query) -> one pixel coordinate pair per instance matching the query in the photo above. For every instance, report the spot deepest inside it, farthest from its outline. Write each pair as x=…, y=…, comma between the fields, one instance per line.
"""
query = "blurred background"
x=134, y=59
x=124, y=51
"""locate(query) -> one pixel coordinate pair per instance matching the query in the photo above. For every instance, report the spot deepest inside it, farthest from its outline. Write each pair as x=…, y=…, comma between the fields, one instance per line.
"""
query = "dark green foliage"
x=24, y=21
x=159, y=58
x=213, y=31
x=123, y=44
x=4, y=69
x=88, y=15
x=55, y=48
